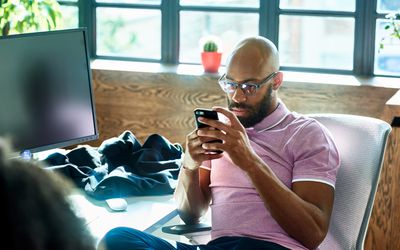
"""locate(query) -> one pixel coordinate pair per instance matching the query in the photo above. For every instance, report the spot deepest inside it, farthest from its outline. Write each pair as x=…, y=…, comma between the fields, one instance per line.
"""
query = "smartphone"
x=184, y=229
x=210, y=114
x=207, y=113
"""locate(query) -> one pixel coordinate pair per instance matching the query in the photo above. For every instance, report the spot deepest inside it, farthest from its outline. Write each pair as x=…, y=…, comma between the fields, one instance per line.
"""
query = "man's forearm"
x=300, y=219
x=191, y=201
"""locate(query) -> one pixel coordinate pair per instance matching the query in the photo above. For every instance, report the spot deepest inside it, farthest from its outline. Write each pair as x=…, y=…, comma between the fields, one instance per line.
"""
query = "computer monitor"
x=46, y=96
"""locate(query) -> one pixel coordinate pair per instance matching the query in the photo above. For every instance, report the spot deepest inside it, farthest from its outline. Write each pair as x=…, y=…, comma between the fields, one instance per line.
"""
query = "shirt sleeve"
x=315, y=155
x=206, y=165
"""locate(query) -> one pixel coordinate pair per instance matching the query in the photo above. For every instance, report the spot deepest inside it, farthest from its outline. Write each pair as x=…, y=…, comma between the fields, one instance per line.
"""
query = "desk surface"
x=146, y=213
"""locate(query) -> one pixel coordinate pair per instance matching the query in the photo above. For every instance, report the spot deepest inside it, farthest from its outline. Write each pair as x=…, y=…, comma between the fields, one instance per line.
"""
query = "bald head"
x=253, y=56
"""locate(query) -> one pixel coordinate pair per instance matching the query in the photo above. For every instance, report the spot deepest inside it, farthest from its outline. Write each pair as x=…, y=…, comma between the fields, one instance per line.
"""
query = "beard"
x=256, y=113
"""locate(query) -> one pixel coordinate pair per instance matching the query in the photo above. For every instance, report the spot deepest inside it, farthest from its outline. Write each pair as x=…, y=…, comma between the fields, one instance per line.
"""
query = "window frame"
x=365, y=17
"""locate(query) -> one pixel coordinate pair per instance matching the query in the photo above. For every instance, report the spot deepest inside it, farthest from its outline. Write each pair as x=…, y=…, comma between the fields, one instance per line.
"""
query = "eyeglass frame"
x=256, y=85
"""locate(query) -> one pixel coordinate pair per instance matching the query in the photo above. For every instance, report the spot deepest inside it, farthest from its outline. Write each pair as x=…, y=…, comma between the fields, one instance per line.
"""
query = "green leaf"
x=42, y=14
x=387, y=27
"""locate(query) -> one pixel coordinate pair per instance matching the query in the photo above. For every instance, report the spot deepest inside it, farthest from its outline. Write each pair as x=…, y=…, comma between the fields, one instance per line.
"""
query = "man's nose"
x=239, y=96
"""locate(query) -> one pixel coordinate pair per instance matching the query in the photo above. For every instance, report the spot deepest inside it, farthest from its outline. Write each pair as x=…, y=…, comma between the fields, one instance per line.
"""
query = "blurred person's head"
x=35, y=208
x=252, y=79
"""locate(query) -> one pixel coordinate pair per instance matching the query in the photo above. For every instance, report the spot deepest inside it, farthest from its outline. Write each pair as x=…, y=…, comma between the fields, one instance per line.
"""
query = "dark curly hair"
x=35, y=208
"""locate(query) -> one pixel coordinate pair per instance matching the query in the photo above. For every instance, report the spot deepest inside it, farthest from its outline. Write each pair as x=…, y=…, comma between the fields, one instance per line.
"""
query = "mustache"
x=238, y=105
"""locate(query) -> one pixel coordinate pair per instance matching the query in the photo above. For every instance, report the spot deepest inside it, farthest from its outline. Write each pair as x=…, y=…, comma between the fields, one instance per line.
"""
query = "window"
x=387, y=56
x=317, y=34
x=316, y=42
x=229, y=20
x=70, y=13
x=341, y=36
x=337, y=5
x=128, y=32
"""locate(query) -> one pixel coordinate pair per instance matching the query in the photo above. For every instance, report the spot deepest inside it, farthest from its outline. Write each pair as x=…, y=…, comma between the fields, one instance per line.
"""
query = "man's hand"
x=195, y=153
x=235, y=140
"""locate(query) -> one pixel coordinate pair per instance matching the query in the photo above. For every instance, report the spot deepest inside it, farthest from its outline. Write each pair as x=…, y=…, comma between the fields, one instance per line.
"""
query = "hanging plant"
x=393, y=26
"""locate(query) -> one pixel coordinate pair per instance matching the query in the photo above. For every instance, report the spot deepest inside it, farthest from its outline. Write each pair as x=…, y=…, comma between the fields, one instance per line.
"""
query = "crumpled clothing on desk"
x=122, y=167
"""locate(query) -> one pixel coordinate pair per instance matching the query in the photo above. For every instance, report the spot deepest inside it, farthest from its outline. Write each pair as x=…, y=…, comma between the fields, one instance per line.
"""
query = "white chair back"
x=361, y=142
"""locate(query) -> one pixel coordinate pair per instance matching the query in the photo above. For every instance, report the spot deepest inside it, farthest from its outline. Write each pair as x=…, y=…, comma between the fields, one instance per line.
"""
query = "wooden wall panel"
x=147, y=103
x=320, y=98
x=154, y=104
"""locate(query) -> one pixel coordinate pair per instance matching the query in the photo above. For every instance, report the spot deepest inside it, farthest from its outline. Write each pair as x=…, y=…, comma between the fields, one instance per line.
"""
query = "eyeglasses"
x=248, y=88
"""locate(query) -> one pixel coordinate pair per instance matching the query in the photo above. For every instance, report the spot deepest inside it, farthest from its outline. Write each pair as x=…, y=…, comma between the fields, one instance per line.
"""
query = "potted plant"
x=20, y=16
x=210, y=57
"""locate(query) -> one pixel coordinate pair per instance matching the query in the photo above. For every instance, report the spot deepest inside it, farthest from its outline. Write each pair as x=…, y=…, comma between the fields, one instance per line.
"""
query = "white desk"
x=145, y=213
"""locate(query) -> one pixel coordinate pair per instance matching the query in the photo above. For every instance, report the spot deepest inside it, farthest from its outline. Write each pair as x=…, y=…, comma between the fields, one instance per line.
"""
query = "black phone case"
x=207, y=113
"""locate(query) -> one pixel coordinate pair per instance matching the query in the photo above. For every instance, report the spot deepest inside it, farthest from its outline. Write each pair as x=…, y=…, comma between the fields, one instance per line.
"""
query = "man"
x=273, y=185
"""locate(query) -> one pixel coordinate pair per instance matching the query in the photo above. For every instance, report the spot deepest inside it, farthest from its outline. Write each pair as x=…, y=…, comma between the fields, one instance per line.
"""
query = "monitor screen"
x=46, y=98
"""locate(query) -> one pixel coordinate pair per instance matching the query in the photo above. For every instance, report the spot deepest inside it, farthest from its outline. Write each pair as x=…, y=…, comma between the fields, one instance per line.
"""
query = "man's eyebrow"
x=244, y=81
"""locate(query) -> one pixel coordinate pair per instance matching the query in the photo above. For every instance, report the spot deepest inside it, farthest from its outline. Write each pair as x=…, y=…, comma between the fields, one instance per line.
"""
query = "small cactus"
x=210, y=46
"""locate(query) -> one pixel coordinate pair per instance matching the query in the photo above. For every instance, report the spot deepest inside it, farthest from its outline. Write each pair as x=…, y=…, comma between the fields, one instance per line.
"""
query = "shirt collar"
x=272, y=119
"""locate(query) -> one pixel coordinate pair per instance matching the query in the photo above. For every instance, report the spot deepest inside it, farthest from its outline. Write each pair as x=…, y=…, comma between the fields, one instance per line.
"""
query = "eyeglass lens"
x=230, y=87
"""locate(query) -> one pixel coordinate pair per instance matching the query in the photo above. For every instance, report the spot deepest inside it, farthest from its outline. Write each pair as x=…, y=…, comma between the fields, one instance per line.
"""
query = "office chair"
x=361, y=142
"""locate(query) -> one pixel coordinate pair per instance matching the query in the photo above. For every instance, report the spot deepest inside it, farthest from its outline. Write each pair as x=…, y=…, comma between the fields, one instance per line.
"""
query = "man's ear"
x=277, y=81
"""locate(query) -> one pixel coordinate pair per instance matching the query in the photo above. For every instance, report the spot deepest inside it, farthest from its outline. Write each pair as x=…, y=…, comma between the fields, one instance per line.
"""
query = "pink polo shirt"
x=297, y=148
